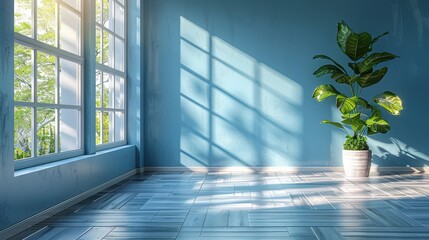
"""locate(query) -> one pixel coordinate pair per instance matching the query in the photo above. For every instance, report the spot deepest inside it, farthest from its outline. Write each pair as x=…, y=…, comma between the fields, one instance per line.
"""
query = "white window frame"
x=39, y=46
x=115, y=73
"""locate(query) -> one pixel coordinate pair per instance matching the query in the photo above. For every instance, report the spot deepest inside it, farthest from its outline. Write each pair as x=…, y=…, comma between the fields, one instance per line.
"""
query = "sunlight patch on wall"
x=235, y=111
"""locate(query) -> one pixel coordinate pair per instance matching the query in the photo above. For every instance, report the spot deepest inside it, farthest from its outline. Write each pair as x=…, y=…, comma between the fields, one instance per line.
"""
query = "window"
x=110, y=73
x=48, y=77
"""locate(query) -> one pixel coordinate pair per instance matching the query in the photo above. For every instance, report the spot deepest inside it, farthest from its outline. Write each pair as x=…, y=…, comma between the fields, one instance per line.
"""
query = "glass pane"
x=74, y=3
x=46, y=129
x=121, y=1
x=108, y=49
x=119, y=92
x=107, y=14
x=23, y=17
x=69, y=82
x=119, y=20
x=107, y=127
x=69, y=129
x=98, y=11
x=119, y=54
x=119, y=126
x=23, y=133
x=46, y=22
x=108, y=93
x=69, y=31
x=98, y=127
x=98, y=44
x=23, y=65
x=98, y=77
x=46, y=76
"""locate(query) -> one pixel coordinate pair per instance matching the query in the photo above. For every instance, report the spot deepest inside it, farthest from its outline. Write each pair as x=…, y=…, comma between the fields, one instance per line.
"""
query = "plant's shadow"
x=404, y=158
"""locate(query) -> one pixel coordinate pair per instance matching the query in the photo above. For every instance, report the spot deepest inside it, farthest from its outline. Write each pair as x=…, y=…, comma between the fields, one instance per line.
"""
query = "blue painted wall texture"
x=229, y=83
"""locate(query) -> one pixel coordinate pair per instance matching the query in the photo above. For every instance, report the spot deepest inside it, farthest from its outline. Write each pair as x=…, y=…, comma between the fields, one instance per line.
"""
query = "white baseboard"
x=374, y=169
x=27, y=223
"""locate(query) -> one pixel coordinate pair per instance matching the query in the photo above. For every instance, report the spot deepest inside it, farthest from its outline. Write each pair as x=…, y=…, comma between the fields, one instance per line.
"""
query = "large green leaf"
x=372, y=78
x=389, y=101
x=326, y=69
x=358, y=125
x=354, y=45
x=336, y=73
x=344, y=31
x=354, y=120
x=362, y=102
x=340, y=77
x=321, y=56
x=323, y=91
x=375, y=112
x=370, y=132
x=378, y=37
x=375, y=58
x=377, y=124
x=354, y=67
x=336, y=124
x=345, y=104
x=349, y=118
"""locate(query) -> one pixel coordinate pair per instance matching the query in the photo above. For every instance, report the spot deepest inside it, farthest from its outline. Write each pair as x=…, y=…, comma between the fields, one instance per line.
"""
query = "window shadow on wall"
x=235, y=110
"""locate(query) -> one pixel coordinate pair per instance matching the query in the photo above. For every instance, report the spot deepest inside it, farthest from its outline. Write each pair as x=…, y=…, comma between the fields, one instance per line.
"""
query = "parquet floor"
x=224, y=205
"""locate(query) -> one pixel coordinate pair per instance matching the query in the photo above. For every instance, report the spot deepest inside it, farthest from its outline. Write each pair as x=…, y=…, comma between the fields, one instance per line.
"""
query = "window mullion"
x=57, y=101
x=57, y=22
x=29, y=42
x=102, y=104
x=34, y=18
x=110, y=70
x=34, y=109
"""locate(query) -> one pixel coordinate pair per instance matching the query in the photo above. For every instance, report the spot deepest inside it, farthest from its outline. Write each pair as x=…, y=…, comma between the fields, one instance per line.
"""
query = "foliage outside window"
x=110, y=73
x=47, y=84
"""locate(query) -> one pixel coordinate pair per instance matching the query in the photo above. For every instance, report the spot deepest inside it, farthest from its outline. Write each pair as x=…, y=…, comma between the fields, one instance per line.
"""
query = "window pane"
x=108, y=93
x=23, y=73
x=98, y=81
x=107, y=49
x=69, y=82
x=74, y=3
x=22, y=132
x=46, y=21
x=69, y=31
x=46, y=75
x=119, y=126
x=98, y=11
x=46, y=131
x=119, y=54
x=119, y=20
x=98, y=124
x=23, y=17
x=98, y=43
x=69, y=129
x=107, y=127
x=121, y=1
x=119, y=92
x=107, y=14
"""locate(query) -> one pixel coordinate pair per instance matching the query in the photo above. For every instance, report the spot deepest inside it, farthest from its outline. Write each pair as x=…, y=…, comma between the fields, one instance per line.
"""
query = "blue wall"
x=26, y=192
x=229, y=83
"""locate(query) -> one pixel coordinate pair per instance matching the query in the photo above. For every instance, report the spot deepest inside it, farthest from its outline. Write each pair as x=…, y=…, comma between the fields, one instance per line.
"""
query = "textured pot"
x=357, y=163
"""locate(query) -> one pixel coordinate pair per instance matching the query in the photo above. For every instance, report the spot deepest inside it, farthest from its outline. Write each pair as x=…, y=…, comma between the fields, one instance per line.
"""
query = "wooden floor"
x=225, y=205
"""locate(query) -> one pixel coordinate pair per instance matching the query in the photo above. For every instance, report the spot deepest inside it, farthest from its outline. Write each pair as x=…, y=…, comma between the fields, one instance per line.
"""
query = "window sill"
x=45, y=166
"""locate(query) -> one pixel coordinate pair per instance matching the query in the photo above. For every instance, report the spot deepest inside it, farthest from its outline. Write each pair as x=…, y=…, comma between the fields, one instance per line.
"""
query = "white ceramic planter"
x=357, y=163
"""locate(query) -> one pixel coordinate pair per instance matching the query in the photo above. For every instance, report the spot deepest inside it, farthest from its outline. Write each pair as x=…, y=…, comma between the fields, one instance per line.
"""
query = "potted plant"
x=359, y=116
